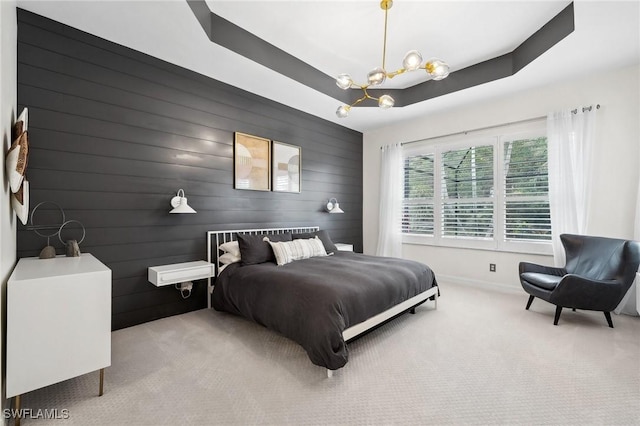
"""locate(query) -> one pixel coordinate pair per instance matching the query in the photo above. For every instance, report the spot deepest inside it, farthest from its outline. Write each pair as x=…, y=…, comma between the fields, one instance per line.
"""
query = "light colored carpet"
x=479, y=359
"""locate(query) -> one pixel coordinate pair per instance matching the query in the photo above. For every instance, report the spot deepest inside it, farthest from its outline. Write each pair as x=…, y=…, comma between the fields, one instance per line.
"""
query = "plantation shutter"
x=417, y=205
x=467, y=192
x=526, y=190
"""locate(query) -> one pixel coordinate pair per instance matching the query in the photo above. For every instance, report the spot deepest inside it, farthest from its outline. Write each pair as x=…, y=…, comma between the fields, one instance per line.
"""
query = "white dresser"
x=58, y=321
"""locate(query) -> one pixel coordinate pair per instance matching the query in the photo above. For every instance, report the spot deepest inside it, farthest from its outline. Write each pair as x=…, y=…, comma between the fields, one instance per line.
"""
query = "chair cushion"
x=545, y=281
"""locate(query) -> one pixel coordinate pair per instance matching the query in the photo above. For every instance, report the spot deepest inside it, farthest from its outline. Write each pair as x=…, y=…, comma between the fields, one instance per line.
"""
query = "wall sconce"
x=179, y=204
x=333, y=206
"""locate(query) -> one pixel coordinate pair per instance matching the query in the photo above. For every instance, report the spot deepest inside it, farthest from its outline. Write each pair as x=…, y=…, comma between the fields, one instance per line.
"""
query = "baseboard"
x=479, y=283
x=506, y=288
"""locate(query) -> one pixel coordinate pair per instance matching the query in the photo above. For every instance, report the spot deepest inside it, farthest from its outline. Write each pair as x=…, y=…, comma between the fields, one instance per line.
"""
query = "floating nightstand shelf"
x=344, y=246
x=180, y=272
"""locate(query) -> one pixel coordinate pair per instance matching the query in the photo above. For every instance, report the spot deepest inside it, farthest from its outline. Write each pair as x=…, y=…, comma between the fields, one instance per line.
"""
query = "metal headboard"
x=217, y=238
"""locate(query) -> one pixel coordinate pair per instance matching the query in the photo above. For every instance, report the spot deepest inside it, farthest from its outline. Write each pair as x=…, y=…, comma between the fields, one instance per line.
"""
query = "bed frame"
x=216, y=238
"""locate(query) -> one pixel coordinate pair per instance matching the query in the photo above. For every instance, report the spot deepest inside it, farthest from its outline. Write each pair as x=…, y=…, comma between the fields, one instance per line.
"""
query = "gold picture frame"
x=251, y=162
x=287, y=167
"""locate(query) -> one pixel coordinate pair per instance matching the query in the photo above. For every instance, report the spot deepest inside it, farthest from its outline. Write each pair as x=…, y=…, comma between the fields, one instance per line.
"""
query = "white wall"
x=613, y=195
x=8, y=105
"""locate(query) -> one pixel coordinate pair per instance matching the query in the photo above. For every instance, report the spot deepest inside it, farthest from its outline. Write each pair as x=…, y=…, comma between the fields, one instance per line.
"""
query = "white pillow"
x=288, y=251
x=231, y=247
x=228, y=258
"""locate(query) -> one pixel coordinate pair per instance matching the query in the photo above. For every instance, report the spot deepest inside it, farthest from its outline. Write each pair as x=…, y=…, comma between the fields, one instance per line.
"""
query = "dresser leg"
x=17, y=407
x=101, y=381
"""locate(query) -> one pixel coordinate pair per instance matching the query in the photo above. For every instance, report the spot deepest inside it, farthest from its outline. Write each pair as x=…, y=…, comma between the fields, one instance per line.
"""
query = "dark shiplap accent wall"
x=114, y=133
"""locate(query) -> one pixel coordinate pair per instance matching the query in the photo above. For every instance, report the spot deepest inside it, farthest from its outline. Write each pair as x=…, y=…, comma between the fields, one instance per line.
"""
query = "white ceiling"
x=346, y=36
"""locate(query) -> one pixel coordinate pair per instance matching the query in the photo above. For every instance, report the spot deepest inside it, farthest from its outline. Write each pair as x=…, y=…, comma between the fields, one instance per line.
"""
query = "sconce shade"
x=336, y=209
x=179, y=203
x=333, y=206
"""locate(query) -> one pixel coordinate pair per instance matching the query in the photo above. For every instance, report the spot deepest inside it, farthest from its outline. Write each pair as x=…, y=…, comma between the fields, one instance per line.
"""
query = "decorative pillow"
x=253, y=248
x=20, y=202
x=324, y=237
x=287, y=252
x=228, y=258
x=231, y=247
x=16, y=162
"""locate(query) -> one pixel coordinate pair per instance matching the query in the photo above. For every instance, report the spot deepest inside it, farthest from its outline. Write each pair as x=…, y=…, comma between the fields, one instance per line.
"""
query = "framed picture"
x=287, y=162
x=251, y=162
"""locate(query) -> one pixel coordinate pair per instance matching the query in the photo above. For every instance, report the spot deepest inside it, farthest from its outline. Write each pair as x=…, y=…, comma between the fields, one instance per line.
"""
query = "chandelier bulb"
x=343, y=111
x=344, y=81
x=386, y=102
x=412, y=60
x=437, y=68
x=376, y=76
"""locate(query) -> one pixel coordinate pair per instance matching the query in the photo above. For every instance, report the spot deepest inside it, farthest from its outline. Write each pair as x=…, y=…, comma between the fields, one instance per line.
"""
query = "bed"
x=321, y=302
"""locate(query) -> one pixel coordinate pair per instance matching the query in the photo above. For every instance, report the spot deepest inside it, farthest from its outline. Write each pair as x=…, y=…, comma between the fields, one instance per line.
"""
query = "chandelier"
x=435, y=68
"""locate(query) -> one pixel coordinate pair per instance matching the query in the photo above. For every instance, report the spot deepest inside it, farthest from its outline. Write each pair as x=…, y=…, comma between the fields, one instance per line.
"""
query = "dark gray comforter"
x=313, y=301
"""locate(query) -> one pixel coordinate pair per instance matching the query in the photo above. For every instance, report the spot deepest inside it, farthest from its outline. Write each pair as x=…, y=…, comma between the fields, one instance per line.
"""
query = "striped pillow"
x=288, y=251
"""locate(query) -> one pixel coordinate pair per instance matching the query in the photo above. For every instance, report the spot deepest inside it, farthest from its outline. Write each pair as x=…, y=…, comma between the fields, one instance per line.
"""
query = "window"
x=479, y=191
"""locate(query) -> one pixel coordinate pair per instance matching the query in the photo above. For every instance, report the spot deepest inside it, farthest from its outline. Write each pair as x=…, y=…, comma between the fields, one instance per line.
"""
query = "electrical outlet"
x=492, y=267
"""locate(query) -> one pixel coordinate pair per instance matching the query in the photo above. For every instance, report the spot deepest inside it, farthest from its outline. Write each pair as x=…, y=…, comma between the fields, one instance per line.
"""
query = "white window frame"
x=496, y=137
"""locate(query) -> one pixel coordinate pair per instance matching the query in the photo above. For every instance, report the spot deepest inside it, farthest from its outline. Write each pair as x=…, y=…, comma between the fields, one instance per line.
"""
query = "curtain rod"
x=464, y=132
x=585, y=109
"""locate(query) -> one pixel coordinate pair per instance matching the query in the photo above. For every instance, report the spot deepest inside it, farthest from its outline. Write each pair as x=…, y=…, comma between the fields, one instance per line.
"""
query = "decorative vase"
x=49, y=252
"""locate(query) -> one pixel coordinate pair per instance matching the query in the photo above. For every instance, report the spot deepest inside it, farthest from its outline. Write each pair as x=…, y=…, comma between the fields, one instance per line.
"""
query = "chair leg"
x=529, y=302
x=557, y=317
x=607, y=315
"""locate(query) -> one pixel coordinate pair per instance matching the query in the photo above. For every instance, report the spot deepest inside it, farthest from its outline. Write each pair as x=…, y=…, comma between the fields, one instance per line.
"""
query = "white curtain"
x=630, y=304
x=391, y=184
x=571, y=138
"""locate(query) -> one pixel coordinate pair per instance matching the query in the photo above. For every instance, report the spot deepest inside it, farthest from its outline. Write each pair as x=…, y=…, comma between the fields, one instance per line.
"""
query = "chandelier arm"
x=367, y=95
x=397, y=72
x=358, y=101
x=384, y=45
x=364, y=97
